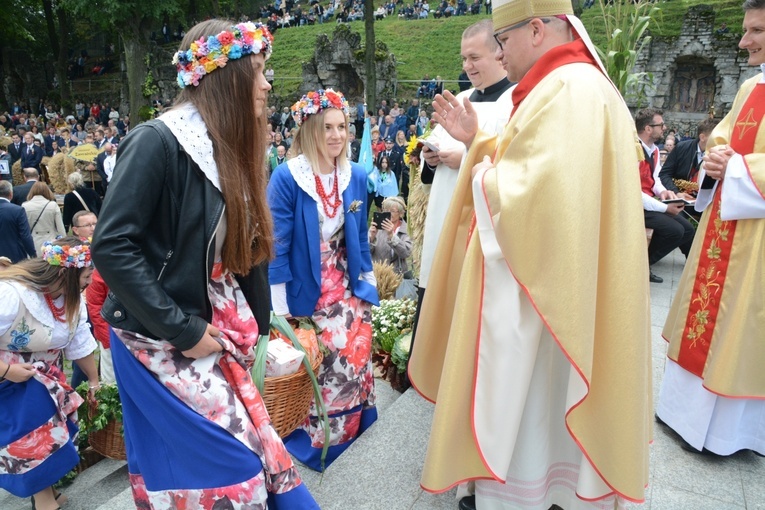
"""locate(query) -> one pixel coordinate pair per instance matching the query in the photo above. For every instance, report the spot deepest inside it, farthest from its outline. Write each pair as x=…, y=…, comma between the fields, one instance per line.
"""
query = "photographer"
x=388, y=237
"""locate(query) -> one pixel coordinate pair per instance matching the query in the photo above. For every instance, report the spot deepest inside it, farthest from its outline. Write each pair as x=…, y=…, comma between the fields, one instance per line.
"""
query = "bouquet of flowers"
x=414, y=147
x=390, y=320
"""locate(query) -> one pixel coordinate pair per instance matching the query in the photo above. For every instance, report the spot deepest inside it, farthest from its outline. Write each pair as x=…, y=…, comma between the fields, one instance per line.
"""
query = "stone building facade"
x=696, y=74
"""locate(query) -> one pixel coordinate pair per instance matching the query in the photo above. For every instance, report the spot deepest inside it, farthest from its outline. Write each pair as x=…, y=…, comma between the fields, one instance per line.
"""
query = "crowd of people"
x=285, y=14
x=521, y=337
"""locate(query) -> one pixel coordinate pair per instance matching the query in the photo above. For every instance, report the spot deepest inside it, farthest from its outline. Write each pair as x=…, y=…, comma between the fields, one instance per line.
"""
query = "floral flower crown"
x=77, y=255
x=209, y=53
x=316, y=101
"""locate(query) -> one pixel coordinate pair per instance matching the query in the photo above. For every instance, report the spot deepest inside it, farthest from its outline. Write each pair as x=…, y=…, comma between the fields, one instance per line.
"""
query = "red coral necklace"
x=57, y=311
x=329, y=201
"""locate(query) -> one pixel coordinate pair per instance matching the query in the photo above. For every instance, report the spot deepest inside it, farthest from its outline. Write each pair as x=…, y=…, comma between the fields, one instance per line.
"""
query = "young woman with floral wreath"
x=322, y=269
x=41, y=316
x=183, y=242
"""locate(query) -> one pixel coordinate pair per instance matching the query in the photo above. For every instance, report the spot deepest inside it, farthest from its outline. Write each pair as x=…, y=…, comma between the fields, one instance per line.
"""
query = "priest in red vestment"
x=713, y=392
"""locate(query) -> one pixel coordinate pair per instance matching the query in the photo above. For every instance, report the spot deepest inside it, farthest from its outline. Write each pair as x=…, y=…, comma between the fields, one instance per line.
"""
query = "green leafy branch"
x=626, y=25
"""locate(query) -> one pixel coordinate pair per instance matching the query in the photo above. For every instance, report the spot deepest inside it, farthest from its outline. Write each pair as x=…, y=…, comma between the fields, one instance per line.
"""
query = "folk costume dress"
x=713, y=391
x=543, y=388
x=197, y=432
x=323, y=269
x=38, y=417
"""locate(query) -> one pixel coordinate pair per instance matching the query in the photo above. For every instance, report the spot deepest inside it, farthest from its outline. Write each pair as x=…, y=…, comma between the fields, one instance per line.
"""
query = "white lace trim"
x=76, y=344
x=301, y=171
x=188, y=127
x=35, y=304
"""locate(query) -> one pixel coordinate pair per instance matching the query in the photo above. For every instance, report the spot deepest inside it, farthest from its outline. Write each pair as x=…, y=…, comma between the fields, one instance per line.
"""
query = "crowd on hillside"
x=287, y=13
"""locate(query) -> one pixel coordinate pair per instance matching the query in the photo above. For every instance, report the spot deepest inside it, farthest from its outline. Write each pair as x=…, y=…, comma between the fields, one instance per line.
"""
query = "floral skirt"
x=345, y=376
x=37, y=425
x=197, y=433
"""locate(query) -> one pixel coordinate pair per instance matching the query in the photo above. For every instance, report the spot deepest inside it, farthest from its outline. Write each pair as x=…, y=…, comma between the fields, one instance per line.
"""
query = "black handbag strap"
x=38, y=217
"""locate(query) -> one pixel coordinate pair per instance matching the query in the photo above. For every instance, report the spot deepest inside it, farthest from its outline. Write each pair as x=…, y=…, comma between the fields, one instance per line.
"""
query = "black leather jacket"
x=154, y=243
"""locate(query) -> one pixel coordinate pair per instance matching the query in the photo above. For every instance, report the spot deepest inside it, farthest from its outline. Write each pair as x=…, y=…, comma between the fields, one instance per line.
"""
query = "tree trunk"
x=136, y=48
x=369, y=55
x=50, y=25
x=63, y=54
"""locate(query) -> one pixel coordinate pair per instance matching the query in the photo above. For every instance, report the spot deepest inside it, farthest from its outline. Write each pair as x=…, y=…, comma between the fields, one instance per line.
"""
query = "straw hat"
x=509, y=12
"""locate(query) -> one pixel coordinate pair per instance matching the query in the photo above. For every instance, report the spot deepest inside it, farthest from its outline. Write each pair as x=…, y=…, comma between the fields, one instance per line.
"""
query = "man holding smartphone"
x=491, y=96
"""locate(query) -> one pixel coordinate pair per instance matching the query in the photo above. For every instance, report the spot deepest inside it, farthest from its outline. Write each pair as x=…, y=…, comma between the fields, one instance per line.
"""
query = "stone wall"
x=695, y=74
x=339, y=64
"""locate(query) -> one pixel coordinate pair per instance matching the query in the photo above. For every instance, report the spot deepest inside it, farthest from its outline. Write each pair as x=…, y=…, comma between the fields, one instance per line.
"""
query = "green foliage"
x=109, y=408
x=390, y=320
x=149, y=87
x=625, y=28
x=400, y=354
x=421, y=47
x=672, y=14
x=145, y=112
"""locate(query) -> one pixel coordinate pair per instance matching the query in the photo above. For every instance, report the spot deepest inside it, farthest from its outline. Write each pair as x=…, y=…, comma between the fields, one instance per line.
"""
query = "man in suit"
x=50, y=138
x=388, y=128
x=66, y=139
x=100, y=139
x=31, y=176
x=31, y=155
x=670, y=229
x=684, y=161
x=355, y=146
x=111, y=134
x=395, y=157
x=101, y=169
x=15, y=148
x=15, y=237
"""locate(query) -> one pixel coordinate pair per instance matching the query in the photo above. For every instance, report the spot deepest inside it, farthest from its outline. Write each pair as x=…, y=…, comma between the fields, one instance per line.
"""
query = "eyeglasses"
x=657, y=125
x=513, y=27
x=87, y=225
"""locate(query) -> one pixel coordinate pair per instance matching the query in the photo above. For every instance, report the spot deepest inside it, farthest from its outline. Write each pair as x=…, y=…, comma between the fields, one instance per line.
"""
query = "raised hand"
x=458, y=119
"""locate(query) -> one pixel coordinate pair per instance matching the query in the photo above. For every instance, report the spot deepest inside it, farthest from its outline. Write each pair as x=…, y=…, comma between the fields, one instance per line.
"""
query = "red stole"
x=569, y=53
x=716, y=248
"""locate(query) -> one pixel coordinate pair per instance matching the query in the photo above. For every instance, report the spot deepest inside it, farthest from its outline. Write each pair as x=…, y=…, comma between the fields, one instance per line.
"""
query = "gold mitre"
x=510, y=12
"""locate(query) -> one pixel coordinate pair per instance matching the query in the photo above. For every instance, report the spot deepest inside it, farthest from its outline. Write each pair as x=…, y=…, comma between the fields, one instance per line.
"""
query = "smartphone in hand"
x=378, y=218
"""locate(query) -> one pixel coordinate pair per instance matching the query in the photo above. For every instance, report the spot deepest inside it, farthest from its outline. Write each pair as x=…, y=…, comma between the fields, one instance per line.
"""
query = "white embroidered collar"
x=301, y=171
x=186, y=124
x=35, y=304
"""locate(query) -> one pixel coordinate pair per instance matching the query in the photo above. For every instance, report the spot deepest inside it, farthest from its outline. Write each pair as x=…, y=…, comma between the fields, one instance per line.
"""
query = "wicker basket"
x=288, y=398
x=109, y=441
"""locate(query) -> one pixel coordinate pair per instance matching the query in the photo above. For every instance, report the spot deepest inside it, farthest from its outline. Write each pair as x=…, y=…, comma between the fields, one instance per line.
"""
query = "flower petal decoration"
x=316, y=101
x=208, y=54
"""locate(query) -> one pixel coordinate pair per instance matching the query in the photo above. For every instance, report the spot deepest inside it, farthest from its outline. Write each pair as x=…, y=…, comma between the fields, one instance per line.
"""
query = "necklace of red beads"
x=330, y=202
x=57, y=311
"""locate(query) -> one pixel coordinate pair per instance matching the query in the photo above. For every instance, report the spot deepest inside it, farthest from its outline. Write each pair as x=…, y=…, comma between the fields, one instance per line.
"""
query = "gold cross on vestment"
x=746, y=123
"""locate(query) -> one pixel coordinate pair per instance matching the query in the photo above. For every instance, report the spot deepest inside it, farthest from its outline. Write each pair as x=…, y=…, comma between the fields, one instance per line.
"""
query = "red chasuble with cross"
x=715, y=325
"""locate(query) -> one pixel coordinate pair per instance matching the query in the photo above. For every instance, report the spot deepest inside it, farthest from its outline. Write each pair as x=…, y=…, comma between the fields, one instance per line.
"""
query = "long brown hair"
x=39, y=276
x=40, y=188
x=238, y=141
